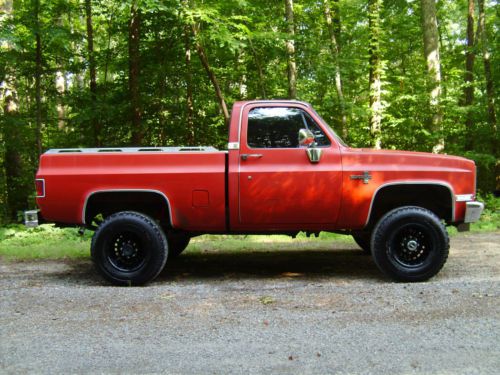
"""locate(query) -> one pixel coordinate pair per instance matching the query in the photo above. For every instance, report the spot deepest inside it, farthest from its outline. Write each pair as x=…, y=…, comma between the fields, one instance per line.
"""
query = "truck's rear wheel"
x=177, y=243
x=129, y=248
x=410, y=244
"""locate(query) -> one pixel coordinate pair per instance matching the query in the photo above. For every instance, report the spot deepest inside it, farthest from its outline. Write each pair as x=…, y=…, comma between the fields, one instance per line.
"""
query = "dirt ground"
x=292, y=311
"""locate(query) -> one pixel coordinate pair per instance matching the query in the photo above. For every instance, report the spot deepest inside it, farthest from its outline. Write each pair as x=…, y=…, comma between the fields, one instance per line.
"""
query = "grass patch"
x=237, y=243
x=490, y=219
x=43, y=242
x=47, y=242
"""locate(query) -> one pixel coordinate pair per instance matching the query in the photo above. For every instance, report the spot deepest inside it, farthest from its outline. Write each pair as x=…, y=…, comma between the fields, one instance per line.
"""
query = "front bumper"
x=473, y=211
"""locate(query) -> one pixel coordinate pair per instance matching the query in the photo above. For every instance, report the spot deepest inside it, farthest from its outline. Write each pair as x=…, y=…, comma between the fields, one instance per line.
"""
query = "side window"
x=278, y=127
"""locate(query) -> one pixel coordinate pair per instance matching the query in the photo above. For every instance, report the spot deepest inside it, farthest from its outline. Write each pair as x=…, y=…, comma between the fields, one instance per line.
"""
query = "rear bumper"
x=473, y=211
x=32, y=218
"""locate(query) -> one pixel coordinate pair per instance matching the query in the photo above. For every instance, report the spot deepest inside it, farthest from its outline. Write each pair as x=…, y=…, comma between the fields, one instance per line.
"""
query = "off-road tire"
x=129, y=248
x=410, y=244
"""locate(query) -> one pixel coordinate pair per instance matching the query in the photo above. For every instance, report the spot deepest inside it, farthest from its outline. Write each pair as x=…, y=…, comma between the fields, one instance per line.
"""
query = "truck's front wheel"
x=410, y=244
x=129, y=248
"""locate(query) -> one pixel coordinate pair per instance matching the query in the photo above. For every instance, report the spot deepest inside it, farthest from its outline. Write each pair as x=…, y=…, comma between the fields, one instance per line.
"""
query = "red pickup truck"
x=285, y=170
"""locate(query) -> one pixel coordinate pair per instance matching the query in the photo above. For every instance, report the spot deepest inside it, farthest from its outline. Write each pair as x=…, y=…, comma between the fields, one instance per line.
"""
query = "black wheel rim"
x=126, y=251
x=411, y=245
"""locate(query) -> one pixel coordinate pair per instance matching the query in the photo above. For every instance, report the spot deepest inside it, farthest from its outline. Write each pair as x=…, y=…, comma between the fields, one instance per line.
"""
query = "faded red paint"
x=280, y=191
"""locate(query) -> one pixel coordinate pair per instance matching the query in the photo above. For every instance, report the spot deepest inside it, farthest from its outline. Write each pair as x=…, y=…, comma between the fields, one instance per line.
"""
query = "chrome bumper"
x=31, y=218
x=473, y=211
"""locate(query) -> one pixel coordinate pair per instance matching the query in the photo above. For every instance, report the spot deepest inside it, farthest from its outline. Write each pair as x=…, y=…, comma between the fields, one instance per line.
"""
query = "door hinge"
x=366, y=176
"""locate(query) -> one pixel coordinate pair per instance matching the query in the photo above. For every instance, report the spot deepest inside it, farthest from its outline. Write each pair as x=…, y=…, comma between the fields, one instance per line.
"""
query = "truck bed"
x=191, y=179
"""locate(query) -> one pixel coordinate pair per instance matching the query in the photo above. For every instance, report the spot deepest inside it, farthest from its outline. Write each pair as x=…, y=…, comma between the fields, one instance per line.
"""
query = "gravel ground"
x=289, y=312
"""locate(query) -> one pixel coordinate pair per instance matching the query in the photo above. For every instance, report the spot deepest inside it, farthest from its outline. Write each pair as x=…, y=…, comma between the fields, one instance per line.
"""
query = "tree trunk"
x=211, y=75
x=15, y=180
x=107, y=60
x=260, y=72
x=470, y=55
x=490, y=91
x=134, y=71
x=334, y=33
x=290, y=50
x=13, y=189
x=189, y=89
x=431, y=52
x=12, y=161
x=374, y=8
x=60, y=82
x=92, y=73
x=242, y=84
x=38, y=79
x=335, y=12
x=60, y=88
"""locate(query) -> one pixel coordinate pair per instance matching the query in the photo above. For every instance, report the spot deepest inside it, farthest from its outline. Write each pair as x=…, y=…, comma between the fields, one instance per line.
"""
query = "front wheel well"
x=106, y=203
x=436, y=198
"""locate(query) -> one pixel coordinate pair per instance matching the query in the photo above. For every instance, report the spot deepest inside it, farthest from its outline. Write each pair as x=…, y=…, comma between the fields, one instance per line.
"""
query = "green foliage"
x=245, y=45
x=43, y=242
x=486, y=166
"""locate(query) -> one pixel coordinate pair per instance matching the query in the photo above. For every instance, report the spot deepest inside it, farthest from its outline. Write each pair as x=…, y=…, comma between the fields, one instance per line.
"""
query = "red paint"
x=279, y=191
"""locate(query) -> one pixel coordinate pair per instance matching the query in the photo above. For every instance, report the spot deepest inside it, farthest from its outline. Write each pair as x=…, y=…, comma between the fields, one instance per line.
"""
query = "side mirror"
x=306, y=138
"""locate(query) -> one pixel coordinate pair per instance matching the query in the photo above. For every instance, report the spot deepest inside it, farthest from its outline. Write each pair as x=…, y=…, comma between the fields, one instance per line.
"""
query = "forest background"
x=398, y=74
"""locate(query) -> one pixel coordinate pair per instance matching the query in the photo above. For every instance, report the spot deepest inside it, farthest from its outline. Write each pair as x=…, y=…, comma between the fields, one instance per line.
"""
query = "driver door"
x=278, y=184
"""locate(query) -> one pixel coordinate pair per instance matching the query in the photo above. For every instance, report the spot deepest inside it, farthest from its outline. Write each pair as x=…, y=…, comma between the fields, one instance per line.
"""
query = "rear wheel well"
x=106, y=203
x=435, y=198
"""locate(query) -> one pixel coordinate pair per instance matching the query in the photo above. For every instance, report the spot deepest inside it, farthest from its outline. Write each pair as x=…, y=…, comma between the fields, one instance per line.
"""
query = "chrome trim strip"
x=431, y=182
x=464, y=197
x=104, y=150
x=43, y=184
x=126, y=191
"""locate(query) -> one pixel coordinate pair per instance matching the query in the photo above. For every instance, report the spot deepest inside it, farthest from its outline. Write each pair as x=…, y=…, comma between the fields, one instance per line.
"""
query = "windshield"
x=340, y=140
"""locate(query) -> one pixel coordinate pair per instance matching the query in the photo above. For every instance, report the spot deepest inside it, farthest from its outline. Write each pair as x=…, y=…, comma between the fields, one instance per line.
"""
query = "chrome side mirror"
x=306, y=138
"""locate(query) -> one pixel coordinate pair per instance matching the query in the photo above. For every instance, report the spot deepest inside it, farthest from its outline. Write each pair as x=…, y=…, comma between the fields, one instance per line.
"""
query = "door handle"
x=247, y=156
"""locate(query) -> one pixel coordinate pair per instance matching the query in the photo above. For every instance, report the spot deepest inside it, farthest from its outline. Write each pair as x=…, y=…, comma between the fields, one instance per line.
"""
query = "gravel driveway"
x=320, y=311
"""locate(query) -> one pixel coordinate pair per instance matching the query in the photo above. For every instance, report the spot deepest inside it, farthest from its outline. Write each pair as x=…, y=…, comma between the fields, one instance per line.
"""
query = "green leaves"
x=244, y=42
